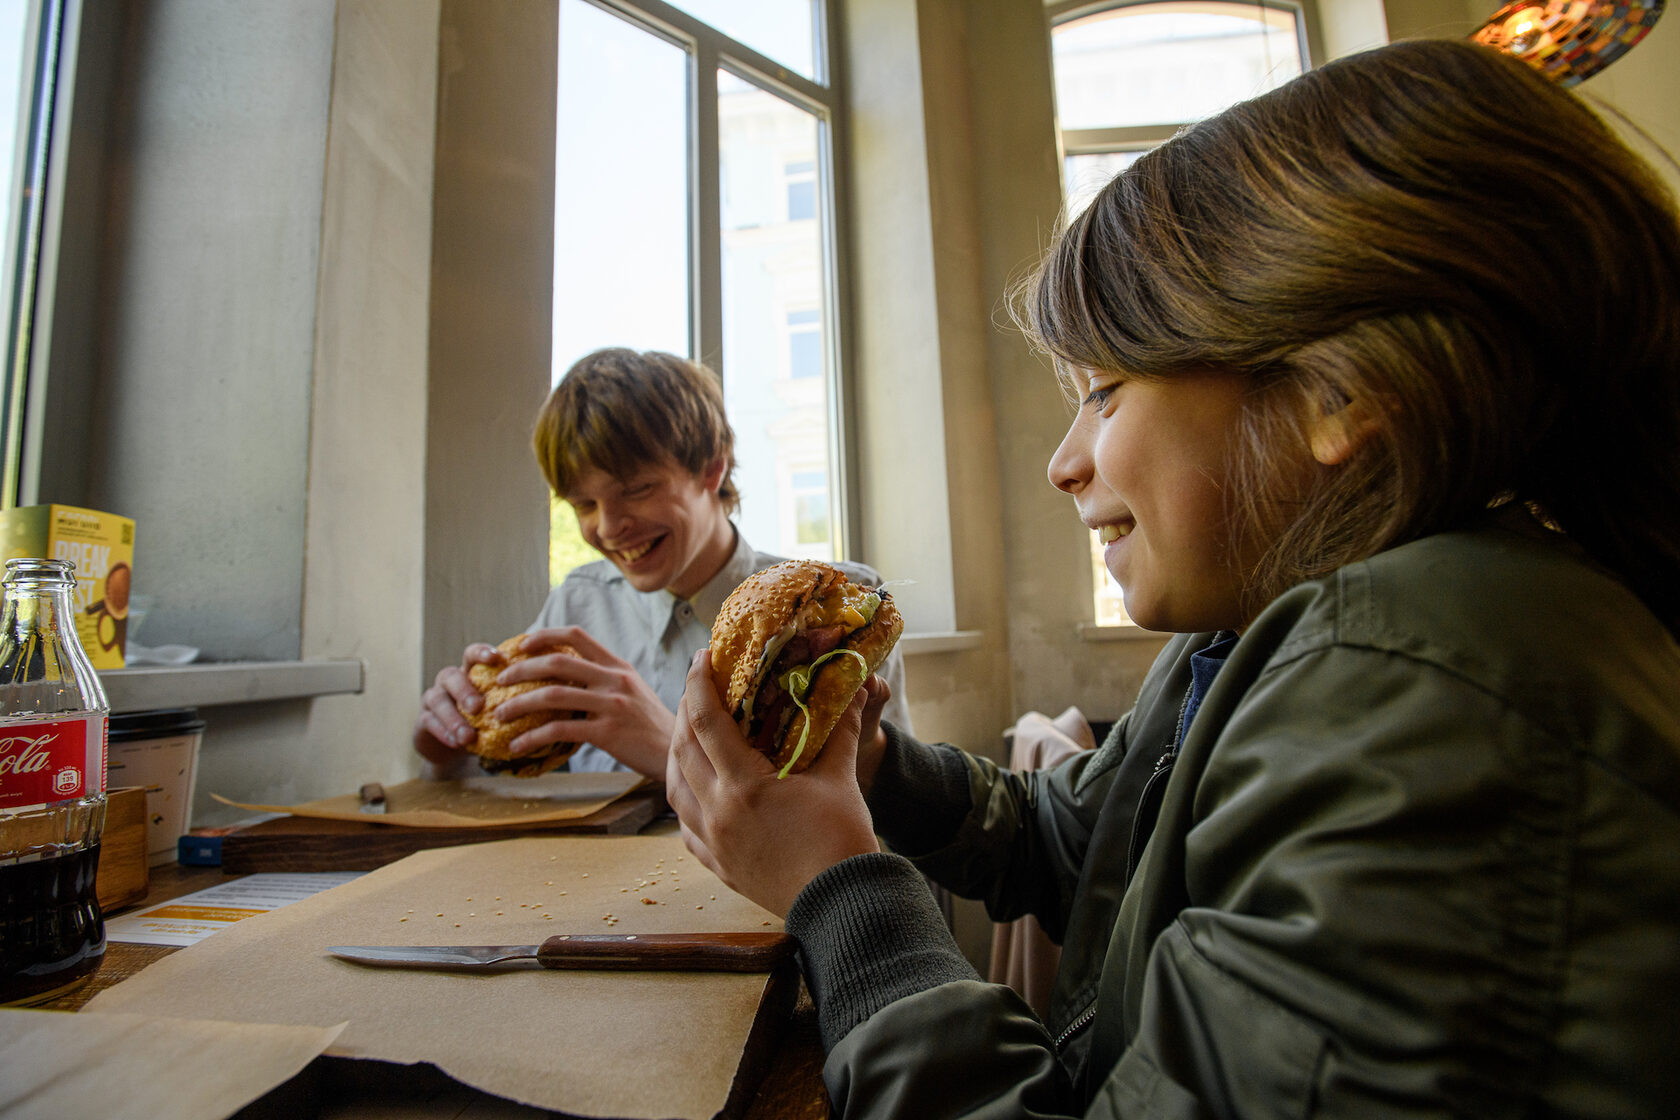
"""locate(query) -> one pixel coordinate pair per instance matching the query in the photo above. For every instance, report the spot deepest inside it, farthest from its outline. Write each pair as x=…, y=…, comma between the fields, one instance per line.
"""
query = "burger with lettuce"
x=790, y=648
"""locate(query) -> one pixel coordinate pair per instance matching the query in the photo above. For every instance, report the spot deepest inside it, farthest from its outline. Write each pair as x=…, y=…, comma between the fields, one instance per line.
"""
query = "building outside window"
x=694, y=213
x=810, y=497
x=801, y=178
x=1130, y=75
x=804, y=344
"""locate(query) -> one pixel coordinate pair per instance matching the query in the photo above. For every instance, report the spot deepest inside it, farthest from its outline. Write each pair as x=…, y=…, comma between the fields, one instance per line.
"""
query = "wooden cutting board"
x=315, y=844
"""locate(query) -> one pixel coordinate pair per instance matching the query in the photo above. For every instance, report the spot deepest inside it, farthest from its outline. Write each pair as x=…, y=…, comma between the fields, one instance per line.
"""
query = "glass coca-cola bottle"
x=53, y=726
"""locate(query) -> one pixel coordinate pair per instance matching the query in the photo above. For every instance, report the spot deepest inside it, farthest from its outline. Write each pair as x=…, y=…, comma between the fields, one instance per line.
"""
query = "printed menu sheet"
x=193, y=917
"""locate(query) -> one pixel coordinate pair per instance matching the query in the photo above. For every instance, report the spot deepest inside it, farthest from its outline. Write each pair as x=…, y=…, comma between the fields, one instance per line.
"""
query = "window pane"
x=15, y=104
x=774, y=338
x=783, y=30
x=805, y=358
x=1111, y=608
x=621, y=275
x=1086, y=175
x=810, y=490
x=1169, y=62
x=801, y=190
x=14, y=22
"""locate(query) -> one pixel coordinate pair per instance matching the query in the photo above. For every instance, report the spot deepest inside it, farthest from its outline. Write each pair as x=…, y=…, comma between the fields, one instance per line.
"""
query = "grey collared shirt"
x=659, y=634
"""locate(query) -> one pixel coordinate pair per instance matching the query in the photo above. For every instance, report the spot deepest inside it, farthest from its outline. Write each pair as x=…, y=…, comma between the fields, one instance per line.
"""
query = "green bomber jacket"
x=1418, y=854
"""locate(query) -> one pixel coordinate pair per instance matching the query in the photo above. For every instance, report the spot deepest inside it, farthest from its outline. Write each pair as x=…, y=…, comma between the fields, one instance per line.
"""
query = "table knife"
x=683, y=952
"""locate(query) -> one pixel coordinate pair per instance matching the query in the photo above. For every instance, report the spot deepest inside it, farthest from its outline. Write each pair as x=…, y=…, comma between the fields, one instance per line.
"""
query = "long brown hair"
x=1436, y=230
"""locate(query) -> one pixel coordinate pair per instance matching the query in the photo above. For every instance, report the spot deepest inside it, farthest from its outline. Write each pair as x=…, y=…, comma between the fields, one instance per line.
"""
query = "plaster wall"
x=1639, y=95
x=492, y=278
x=212, y=232
x=365, y=528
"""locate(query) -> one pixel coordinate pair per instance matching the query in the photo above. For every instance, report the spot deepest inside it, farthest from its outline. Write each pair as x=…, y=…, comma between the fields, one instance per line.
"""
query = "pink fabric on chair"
x=1023, y=956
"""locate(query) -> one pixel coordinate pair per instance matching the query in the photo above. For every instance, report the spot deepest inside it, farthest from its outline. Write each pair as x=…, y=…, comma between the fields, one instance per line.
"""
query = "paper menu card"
x=624, y=1044
x=62, y=1064
x=191, y=918
x=479, y=802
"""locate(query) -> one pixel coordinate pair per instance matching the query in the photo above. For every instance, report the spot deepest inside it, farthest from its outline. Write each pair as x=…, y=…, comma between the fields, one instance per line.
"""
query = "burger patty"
x=773, y=706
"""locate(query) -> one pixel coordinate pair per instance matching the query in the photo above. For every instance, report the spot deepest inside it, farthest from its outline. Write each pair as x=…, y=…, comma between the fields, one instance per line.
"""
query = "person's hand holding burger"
x=763, y=770
x=463, y=713
x=589, y=694
x=764, y=836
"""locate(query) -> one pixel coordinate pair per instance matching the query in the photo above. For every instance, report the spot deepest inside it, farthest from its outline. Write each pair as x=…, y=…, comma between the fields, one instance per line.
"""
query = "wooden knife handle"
x=686, y=952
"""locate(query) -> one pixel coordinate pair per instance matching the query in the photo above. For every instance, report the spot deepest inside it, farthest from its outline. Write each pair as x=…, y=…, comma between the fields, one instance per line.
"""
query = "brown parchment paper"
x=625, y=1044
x=63, y=1064
x=479, y=802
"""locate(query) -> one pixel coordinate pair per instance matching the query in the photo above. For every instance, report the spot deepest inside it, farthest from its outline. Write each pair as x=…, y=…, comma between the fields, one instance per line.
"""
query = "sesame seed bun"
x=790, y=609
x=495, y=738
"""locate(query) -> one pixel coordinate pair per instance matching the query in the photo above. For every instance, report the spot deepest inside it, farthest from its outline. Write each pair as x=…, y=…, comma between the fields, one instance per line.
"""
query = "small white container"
x=158, y=750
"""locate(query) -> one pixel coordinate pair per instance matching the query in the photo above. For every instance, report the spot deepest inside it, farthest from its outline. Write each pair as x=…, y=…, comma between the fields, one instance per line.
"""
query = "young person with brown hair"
x=640, y=447
x=1379, y=410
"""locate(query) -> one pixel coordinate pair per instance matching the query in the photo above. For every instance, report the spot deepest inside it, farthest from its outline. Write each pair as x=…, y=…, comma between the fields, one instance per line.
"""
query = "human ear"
x=713, y=476
x=1337, y=435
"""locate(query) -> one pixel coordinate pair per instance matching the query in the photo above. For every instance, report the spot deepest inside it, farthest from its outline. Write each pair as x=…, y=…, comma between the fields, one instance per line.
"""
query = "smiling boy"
x=639, y=446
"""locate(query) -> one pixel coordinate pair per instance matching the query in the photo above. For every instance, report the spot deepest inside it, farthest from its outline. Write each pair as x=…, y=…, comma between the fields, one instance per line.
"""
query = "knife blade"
x=620, y=952
x=372, y=795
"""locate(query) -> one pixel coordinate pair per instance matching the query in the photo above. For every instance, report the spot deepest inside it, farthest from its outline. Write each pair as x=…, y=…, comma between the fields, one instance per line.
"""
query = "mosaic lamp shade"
x=1568, y=40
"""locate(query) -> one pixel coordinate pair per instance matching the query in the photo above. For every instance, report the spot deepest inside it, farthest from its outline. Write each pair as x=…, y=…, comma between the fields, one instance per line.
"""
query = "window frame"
x=35, y=187
x=1138, y=139
x=710, y=50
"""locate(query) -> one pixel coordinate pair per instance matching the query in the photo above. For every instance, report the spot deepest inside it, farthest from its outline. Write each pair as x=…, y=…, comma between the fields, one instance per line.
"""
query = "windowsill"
x=1091, y=632
x=145, y=687
x=945, y=642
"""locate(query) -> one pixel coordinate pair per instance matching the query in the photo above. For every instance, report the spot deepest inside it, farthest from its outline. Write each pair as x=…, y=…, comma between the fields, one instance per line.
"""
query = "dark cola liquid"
x=51, y=933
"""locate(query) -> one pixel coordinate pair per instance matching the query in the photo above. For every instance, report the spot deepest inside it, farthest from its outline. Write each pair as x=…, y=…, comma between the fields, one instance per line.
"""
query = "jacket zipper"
x=1146, y=808
x=1140, y=833
x=1163, y=766
x=1079, y=1024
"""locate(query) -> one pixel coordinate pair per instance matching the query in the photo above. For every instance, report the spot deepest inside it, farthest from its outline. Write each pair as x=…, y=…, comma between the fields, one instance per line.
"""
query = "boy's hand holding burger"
x=534, y=698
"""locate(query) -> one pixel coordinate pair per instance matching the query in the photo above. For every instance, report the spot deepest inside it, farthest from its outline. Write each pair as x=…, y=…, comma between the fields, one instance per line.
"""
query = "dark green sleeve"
x=911, y=1029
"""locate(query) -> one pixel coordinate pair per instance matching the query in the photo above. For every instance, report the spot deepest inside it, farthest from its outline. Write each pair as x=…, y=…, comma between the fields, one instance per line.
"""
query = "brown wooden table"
x=791, y=1088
